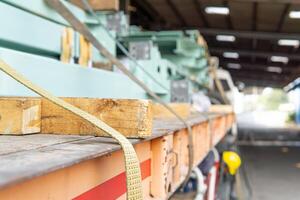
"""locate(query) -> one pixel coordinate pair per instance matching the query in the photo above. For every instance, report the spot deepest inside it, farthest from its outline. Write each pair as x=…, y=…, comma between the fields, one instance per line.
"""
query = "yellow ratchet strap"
x=132, y=167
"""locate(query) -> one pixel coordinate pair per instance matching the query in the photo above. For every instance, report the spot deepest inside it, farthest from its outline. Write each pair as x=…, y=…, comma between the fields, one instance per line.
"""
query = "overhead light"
x=286, y=42
x=234, y=66
x=294, y=14
x=225, y=38
x=274, y=69
x=231, y=55
x=217, y=10
x=282, y=59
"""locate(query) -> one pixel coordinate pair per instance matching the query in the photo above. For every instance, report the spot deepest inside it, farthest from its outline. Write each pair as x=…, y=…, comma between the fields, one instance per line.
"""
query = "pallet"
x=43, y=166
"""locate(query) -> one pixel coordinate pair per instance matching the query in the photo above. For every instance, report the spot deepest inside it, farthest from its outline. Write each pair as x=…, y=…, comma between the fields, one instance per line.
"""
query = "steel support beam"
x=259, y=66
x=259, y=76
x=263, y=83
x=250, y=34
x=262, y=54
x=268, y=1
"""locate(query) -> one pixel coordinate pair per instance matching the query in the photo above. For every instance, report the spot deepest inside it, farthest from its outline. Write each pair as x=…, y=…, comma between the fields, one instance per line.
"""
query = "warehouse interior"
x=150, y=99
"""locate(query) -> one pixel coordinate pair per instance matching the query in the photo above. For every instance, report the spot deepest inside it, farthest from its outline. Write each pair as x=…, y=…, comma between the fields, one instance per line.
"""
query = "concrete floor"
x=273, y=172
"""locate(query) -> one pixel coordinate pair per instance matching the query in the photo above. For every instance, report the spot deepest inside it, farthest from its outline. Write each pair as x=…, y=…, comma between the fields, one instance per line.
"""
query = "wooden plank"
x=133, y=118
x=183, y=109
x=99, y=4
x=19, y=116
x=221, y=109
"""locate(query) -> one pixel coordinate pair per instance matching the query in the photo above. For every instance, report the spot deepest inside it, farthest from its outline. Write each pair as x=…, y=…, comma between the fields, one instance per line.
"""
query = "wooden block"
x=183, y=109
x=19, y=116
x=221, y=109
x=133, y=118
x=99, y=4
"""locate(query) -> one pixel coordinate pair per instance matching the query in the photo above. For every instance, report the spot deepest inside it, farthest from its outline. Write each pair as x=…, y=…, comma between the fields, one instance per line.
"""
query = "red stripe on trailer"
x=114, y=187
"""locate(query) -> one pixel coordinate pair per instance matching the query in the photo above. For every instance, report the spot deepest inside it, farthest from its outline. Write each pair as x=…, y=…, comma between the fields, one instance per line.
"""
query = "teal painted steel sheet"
x=188, y=62
x=40, y=8
x=108, y=42
x=23, y=31
x=66, y=80
x=178, y=47
x=153, y=66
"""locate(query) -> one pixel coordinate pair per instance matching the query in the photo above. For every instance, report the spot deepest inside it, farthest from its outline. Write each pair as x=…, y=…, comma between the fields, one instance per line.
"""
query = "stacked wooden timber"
x=111, y=5
x=65, y=161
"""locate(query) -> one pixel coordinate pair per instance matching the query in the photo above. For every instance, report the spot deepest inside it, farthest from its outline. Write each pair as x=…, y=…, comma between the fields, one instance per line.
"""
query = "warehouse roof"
x=256, y=40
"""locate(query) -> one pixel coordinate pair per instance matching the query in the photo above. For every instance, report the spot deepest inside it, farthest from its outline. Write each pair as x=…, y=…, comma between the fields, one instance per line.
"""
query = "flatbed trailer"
x=49, y=166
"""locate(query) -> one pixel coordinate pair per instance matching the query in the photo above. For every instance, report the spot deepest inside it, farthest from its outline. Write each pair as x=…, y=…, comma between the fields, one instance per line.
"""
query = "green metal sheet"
x=105, y=40
x=40, y=8
x=188, y=62
x=27, y=32
x=154, y=66
x=66, y=80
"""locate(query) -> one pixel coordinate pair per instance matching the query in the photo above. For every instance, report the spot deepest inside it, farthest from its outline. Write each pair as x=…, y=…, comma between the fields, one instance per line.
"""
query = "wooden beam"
x=99, y=4
x=183, y=109
x=19, y=116
x=221, y=109
x=133, y=118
